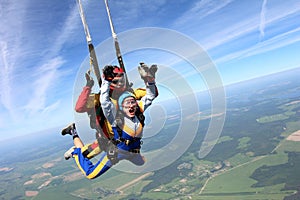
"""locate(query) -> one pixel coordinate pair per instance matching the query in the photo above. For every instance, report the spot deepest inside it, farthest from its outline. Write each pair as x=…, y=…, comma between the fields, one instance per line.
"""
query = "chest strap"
x=126, y=141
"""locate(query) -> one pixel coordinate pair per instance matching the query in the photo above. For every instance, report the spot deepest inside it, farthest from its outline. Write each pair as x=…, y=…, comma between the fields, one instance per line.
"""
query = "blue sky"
x=42, y=46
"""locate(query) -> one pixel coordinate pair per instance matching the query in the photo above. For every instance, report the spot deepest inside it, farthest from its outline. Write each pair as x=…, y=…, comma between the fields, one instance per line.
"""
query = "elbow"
x=102, y=98
x=102, y=103
x=80, y=108
x=156, y=92
x=153, y=96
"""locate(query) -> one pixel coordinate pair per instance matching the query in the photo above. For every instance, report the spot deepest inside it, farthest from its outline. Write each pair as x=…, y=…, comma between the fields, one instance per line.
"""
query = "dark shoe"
x=69, y=130
x=68, y=154
x=102, y=141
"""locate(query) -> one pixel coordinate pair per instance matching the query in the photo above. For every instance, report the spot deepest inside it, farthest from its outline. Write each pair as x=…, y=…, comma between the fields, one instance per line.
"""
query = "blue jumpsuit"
x=132, y=131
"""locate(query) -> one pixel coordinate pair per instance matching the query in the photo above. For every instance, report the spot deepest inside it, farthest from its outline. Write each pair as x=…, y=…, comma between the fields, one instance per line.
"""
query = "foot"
x=68, y=154
x=70, y=129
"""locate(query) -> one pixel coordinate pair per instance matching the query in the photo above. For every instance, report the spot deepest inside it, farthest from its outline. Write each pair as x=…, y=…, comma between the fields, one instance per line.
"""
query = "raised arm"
x=108, y=107
x=82, y=101
x=148, y=75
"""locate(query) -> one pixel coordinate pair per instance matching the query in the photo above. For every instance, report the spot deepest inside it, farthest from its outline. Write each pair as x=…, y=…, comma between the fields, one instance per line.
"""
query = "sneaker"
x=68, y=154
x=69, y=129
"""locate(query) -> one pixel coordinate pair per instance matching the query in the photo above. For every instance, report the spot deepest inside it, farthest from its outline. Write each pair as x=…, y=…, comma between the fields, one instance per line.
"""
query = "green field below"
x=236, y=183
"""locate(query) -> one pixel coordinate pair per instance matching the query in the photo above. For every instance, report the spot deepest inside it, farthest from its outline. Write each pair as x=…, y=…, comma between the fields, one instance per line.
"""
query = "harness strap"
x=135, y=151
x=127, y=142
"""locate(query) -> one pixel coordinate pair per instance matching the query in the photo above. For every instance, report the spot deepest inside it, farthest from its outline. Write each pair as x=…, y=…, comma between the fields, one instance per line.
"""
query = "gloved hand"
x=153, y=70
x=108, y=72
x=146, y=73
x=89, y=80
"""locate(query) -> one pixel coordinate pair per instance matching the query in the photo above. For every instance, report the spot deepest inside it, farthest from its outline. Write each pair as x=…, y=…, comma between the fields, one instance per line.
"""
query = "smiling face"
x=129, y=106
x=118, y=81
x=118, y=85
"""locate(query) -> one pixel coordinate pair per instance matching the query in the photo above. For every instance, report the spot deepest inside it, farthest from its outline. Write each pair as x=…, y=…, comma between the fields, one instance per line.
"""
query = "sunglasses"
x=129, y=103
x=118, y=79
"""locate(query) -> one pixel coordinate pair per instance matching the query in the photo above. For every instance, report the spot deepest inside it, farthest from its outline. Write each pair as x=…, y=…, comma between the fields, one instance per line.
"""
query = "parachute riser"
x=93, y=57
x=117, y=46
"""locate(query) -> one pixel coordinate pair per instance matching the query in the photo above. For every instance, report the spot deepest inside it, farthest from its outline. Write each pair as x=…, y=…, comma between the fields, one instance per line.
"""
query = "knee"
x=142, y=161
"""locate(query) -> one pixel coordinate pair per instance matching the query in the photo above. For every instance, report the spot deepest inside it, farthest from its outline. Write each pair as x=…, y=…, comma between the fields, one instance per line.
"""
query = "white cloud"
x=11, y=15
x=225, y=32
x=52, y=107
x=67, y=32
x=248, y=25
x=126, y=13
x=31, y=65
x=45, y=77
x=200, y=10
x=279, y=41
x=5, y=74
x=262, y=19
